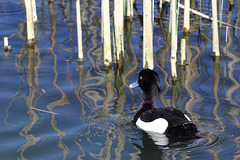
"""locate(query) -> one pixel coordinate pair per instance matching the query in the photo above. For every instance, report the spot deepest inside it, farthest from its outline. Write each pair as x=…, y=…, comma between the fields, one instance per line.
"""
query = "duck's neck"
x=147, y=105
x=143, y=108
x=149, y=97
x=150, y=94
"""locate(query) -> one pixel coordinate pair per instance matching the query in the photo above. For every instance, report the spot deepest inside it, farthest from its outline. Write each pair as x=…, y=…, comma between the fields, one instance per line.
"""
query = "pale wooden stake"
x=118, y=30
x=130, y=8
x=30, y=25
x=183, y=51
x=215, y=29
x=79, y=31
x=220, y=13
x=7, y=48
x=34, y=10
x=106, y=38
x=174, y=39
x=5, y=40
x=160, y=5
x=147, y=35
x=186, y=24
x=226, y=34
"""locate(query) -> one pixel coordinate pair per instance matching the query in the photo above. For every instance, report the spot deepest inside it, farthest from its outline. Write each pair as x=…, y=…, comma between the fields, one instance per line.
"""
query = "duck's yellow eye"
x=140, y=77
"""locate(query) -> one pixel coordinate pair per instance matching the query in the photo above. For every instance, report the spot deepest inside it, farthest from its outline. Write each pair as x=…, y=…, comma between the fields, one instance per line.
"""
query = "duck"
x=168, y=121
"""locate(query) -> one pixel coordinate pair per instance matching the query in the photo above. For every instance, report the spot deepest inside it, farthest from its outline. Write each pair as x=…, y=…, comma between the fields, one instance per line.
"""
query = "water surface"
x=54, y=108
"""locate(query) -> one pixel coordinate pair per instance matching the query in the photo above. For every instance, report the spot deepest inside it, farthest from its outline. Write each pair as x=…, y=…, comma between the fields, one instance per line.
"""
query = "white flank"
x=158, y=125
x=187, y=117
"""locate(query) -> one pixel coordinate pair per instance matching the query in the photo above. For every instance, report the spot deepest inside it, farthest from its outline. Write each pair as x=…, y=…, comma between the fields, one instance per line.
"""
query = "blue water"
x=54, y=108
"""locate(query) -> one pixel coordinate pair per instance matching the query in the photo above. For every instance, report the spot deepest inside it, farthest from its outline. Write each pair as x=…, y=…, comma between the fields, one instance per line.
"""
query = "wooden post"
x=106, y=38
x=186, y=23
x=215, y=29
x=183, y=51
x=118, y=30
x=147, y=35
x=30, y=25
x=34, y=10
x=160, y=6
x=79, y=31
x=174, y=39
x=5, y=40
x=226, y=34
x=129, y=8
x=220, y=13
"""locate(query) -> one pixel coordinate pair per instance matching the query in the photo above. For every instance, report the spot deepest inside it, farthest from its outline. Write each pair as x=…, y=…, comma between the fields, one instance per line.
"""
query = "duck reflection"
x=148, y=150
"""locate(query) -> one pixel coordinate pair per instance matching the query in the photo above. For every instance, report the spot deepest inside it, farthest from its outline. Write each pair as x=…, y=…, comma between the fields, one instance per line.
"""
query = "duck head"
x=149, y=82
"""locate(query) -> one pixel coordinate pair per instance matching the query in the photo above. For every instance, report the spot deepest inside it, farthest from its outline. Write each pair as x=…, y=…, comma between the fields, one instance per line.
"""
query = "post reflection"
x=31, y=75
x=63, y=100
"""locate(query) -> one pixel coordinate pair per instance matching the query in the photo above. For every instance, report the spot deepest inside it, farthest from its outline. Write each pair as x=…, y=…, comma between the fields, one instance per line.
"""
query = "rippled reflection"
x=55, y=108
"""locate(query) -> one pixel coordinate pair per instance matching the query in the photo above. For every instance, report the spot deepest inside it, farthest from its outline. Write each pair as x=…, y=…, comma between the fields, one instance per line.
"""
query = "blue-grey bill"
x=134, y=84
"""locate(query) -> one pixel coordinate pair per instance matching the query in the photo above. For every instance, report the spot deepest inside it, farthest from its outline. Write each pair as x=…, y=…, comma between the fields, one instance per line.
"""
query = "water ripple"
x=209, y=140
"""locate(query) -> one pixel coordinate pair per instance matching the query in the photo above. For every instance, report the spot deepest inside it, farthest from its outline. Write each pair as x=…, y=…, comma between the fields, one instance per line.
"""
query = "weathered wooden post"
x=129, y=7
x=147, y=35
x=106, y=37
x=5, y=40
x=220, y=13
x=160, y=5
x=186, y=23
x=118, y=31
x=6, y=46
x=30, y=24
x=215, y=29
x=79, y=31
x=34, y=10
x=183, y=51
x=174, y=39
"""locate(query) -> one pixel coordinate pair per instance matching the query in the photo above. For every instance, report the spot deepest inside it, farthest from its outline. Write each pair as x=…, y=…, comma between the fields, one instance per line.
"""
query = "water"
x=53, y=108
